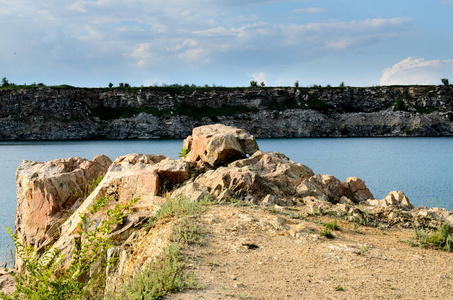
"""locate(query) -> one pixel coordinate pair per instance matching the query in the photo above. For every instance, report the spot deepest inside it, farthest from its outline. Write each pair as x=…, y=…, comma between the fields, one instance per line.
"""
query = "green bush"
x=327, y=233
x=167, y=273
x=39, y=281
x=442, y=238
x=332, y=225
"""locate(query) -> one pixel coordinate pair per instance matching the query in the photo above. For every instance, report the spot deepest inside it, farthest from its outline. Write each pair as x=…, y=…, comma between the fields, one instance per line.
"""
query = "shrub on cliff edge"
x=39, y=280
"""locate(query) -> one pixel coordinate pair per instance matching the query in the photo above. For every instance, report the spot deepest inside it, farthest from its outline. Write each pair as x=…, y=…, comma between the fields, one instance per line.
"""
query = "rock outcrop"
x=168, y=112
x=46, y=195
x=219, y=144
x=48, y=191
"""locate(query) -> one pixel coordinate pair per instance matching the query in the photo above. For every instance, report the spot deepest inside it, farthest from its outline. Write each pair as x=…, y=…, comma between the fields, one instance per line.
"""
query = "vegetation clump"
x=441, y=239
x=167, y=273
x=39, y=280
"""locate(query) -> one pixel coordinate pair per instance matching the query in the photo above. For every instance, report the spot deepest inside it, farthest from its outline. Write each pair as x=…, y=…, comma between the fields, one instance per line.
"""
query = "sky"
x=91, y=43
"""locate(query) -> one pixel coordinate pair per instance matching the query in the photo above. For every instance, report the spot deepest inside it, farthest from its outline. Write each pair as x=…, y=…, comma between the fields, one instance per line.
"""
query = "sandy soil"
x=251, y=253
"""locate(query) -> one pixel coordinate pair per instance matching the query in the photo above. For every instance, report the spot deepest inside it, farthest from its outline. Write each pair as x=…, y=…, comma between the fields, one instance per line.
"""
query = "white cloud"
x=413, y=70
x=310, y=10
x=163, y=36
x=259, y=77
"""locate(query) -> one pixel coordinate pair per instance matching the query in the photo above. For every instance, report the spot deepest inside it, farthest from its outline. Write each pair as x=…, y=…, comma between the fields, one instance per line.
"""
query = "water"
x=421, y=167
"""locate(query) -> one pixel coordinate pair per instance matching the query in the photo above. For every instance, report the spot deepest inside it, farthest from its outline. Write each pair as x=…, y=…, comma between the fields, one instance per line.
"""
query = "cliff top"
x=252, y=253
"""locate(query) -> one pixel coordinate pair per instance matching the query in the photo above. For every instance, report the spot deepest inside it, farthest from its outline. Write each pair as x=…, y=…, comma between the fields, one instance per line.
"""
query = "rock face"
x=393, y=199
x=166, y=112
x=47, y=191
x=219, y=144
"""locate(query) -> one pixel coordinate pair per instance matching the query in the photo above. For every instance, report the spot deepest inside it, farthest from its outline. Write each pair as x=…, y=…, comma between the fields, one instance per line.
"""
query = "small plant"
x=342, y=85
x=166, y=274
x=175, y=207
x=326, y=233
x=296, y=84
x=186, y=231
x=253, y=83
x=408, y=131
x=344, y=130
x=362, y=251
x=339, y=289
x=38, y=281
x=184, y=152
x=399, y=104
x=442, y=238
x=445, y=81
x=89, y=188
x=356, y=229
x=332, y=225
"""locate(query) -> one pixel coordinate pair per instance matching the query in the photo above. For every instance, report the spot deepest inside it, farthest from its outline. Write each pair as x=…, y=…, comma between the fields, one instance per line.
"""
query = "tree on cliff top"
x=5, y=82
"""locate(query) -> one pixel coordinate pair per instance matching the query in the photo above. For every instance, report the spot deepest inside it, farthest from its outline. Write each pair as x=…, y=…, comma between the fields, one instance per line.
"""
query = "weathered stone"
x=173, y=171
x=219, y=144
x=139, y=158
x=270, y=200
x=253, y=178
x=45, y=190
x=395, y=198
x=7, y=283
x=322, y=187
x=356, y=190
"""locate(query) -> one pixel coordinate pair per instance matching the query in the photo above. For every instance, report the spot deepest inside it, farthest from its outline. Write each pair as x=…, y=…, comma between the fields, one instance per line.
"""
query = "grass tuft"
x=442, y=238
x=326, y=233
x=332, y=225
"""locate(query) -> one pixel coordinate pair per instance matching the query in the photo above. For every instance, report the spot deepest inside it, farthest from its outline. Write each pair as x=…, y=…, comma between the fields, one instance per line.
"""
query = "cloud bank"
x=160, y=40
x=413, y=70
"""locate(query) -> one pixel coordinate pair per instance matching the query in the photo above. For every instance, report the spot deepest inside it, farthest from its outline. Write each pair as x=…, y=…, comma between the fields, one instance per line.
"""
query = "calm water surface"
x=421, y=167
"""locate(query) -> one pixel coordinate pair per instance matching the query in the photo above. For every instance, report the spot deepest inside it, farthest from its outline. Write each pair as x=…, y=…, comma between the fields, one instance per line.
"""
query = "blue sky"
x=226, y=42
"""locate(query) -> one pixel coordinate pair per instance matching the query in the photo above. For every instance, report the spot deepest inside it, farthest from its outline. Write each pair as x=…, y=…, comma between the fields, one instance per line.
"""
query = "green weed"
x=38, y=281
x=442, y=238
x=332, y=225
x=165, y=275
x=326, y=233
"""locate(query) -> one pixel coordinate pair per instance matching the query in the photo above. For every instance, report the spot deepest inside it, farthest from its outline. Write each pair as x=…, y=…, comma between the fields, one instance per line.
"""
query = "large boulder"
x=173, y=171
x=47, y=190
x=322, y=187
x=393, y=199
x=356, y=190
x=219, y=144
x=129, y=177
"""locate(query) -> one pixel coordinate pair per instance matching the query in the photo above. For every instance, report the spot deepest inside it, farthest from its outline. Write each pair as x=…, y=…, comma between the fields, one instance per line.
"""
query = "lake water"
x=421, y=167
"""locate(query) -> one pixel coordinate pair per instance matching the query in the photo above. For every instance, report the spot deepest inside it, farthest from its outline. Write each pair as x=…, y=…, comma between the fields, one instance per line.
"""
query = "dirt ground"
x=251, y=253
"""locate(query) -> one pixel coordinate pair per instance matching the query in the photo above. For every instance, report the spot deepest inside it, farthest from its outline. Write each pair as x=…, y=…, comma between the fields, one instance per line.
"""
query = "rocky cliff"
x=47, y=113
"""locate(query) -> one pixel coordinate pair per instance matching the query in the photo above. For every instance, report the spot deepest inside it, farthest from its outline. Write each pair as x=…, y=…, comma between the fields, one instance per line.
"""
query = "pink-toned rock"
x=322, y=187
x=219, y=144
x=7, y=282
x=46, y=190
x=252, y=178
x=136, y=158
x=396, y=199
x=356, y=189
x=123, y=182
x=173, y=171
